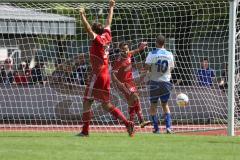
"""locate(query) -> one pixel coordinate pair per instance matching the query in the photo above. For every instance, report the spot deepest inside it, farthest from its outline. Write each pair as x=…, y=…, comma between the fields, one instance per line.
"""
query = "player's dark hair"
x=205, y=59
x=122, y=44
x=160, y=40
x=97, y=28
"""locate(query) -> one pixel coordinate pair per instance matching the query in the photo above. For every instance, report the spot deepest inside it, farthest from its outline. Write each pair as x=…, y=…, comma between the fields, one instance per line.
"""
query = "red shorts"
x=128, y=90
x=98, y=88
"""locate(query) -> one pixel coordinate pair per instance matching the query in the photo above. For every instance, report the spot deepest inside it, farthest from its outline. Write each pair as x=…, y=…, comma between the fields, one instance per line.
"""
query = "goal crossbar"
x=82, y=1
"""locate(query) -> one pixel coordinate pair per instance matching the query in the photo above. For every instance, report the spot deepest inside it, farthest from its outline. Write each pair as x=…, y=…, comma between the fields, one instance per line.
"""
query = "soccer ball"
x=182, y=100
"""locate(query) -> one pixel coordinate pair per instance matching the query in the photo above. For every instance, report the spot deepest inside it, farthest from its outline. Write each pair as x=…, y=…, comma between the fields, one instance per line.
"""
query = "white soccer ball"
x=182, y=100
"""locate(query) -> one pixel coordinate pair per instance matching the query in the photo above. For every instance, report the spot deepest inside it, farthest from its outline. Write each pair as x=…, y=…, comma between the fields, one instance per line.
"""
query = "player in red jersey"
x=122, y=75
x=99, y=86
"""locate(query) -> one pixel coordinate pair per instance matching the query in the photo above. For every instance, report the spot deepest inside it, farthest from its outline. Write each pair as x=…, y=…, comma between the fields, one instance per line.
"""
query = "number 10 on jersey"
x=162, y=66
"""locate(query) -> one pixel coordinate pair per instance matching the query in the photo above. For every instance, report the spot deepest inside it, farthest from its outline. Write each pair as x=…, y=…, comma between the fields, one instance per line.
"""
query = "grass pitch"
x=116, y=146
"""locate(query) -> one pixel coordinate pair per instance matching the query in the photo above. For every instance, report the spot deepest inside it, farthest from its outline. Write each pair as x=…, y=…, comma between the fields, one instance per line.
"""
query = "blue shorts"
x=160, y=90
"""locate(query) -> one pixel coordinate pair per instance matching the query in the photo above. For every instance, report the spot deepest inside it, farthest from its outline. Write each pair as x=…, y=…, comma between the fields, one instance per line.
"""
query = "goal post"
x=51, y=40
x=231, y=62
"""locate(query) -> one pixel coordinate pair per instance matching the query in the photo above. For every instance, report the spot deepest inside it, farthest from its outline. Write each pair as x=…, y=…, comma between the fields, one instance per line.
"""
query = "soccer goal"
x=42, y=87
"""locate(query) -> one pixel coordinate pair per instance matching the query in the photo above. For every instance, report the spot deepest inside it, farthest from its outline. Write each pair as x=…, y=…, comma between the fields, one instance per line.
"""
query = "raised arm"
x=86, y=25
x=142, y=46
x=110, y=14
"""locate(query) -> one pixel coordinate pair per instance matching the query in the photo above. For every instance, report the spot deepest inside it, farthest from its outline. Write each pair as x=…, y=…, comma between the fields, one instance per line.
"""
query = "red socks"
x=131, y=112
x=118, y=114
x=86, y=117
x=138, y=110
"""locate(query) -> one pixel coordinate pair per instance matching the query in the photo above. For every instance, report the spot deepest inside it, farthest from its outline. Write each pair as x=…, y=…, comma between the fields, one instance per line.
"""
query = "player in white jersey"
x=159, y=64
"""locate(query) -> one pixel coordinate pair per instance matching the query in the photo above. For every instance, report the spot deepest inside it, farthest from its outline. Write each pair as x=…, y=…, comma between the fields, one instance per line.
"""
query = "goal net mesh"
x=44, y=55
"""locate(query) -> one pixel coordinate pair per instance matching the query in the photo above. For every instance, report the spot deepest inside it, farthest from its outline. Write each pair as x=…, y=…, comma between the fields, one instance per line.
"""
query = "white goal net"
x=44, y=56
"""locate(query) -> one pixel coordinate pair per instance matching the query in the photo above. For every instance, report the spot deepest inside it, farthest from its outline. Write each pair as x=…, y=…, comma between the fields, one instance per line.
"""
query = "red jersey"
x=99, y=52
x=123, y=69
x=98, y=87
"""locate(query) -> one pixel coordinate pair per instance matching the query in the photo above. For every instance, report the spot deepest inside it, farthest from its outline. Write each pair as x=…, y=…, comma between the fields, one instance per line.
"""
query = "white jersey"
x=161, y=62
